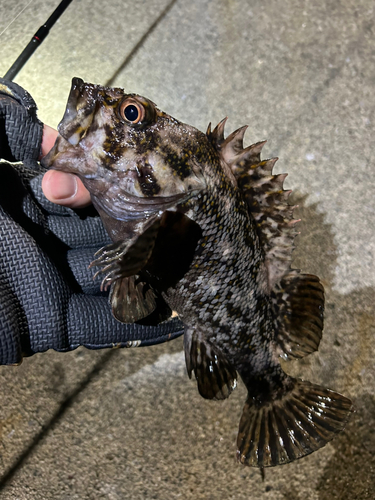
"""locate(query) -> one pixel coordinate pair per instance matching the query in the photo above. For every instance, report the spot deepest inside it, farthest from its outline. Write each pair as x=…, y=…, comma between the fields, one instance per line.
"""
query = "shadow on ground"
x=349, y=336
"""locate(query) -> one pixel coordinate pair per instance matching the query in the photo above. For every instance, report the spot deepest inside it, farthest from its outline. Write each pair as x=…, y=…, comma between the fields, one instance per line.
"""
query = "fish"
x=201, y=226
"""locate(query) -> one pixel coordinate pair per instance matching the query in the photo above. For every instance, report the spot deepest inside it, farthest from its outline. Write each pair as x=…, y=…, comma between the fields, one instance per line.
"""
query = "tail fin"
x=279, y=431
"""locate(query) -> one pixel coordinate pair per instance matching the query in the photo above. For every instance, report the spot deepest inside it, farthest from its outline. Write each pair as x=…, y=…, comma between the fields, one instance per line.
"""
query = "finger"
x=48, y=139
x=58, y=187
x=65, y=189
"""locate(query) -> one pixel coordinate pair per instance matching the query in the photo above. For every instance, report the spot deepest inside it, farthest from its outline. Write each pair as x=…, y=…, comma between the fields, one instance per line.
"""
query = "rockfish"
x=200, y=226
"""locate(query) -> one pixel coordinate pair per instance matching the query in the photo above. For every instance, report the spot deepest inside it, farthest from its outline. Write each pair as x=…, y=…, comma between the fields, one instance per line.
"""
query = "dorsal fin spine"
x=217, y=135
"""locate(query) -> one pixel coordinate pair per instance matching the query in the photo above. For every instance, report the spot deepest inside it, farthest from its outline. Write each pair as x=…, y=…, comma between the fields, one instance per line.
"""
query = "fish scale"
x=201, y=226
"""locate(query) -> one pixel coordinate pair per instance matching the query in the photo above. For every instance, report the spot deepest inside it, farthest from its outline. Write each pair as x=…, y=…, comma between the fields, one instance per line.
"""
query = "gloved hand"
x=48, y=299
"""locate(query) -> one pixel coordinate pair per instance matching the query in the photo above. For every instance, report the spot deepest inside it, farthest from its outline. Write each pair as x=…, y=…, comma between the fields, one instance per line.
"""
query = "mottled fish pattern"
x=201, y=226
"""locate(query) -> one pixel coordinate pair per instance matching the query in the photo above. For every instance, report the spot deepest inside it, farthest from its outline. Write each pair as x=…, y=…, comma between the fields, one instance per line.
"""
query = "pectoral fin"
x=298, y=306
x=131, y=299
x=126, y=258
x=216, y=377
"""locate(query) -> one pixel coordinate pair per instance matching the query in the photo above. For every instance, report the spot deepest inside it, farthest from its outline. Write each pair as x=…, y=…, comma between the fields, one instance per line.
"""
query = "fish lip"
x=79, y=91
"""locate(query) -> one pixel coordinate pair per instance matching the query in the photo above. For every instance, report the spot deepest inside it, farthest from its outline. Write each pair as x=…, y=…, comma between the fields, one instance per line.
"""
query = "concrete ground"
x=129, y=424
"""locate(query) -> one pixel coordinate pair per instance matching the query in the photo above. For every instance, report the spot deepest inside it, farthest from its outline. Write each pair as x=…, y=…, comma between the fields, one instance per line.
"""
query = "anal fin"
x=298, y=307
x=301, y=421
x=215, y=376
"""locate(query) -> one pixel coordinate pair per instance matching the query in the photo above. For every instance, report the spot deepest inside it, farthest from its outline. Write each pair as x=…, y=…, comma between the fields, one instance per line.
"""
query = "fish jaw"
x=79, y=111
x=66, y=158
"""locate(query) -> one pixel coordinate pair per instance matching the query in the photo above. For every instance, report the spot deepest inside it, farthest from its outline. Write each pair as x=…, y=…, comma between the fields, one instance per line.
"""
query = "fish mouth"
x=79, y=110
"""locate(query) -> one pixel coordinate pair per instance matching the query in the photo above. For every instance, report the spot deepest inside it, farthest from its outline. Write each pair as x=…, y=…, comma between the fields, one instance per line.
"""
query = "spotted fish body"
x=201, y=226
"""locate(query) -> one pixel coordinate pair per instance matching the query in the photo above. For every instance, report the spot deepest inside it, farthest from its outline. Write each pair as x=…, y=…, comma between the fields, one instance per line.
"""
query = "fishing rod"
x=36, y=40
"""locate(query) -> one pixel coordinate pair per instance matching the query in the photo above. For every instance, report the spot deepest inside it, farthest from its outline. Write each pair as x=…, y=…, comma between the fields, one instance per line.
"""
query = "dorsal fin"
x=297, y=299
x=265, y=196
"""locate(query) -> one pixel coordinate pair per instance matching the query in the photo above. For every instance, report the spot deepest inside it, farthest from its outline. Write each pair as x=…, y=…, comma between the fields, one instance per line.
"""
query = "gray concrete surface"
x=130, y=424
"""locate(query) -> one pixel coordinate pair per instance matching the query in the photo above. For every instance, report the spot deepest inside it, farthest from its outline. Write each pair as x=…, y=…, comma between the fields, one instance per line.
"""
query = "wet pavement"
x=129, y=424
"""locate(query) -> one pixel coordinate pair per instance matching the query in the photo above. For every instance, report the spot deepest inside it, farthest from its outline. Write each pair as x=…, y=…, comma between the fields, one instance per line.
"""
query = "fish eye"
x=131, y=111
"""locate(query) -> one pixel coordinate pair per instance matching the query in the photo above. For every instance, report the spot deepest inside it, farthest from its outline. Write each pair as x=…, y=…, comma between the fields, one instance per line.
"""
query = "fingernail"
x=65, y=188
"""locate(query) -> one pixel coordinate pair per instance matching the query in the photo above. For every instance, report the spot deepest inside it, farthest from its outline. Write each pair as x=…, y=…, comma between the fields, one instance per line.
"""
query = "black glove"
x=48, y=299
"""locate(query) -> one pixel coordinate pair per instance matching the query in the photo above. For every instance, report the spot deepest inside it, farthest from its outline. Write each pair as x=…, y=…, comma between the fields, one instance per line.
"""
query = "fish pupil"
x=131, y=113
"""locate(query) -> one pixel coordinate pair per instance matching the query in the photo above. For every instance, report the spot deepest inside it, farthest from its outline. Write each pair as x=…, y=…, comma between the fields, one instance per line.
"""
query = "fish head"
x=134, y=159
